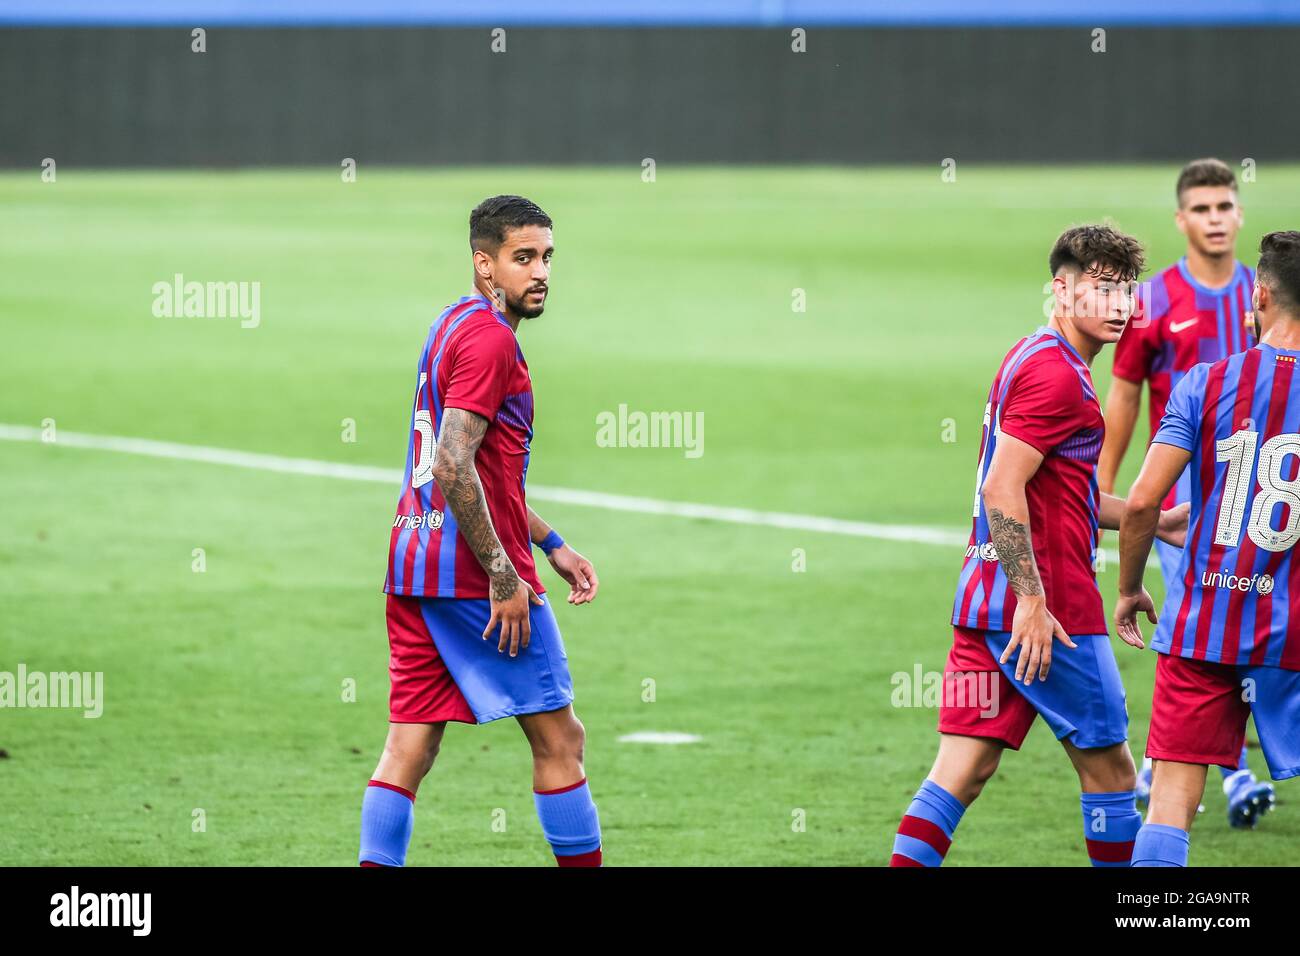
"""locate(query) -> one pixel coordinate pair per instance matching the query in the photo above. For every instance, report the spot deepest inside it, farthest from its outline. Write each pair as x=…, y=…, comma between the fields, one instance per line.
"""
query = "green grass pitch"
x=224, y=689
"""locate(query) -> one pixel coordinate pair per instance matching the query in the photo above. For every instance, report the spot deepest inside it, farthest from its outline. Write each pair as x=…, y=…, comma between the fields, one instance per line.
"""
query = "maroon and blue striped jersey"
x=1236, y=597
x=1042, y=395
x=471, y=360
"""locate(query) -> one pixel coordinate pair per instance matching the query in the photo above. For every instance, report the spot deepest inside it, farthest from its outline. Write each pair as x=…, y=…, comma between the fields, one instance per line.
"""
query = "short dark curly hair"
x=1098, y=249
x=1279, y=267
x=492, y=217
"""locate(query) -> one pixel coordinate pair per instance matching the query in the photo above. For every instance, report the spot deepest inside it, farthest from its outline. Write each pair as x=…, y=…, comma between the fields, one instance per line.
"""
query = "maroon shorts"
x=1000, y=712
x=422, y=691
x=1198, y=712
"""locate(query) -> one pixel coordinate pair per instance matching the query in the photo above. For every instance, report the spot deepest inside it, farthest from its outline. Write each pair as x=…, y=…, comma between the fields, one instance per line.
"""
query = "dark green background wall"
x=140, y=97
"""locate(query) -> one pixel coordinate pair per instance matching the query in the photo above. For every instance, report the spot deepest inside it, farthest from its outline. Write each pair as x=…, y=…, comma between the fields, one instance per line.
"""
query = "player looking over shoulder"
x=1028, y=623
x=1227, y=636
x=471, y=636
x=1192, y=312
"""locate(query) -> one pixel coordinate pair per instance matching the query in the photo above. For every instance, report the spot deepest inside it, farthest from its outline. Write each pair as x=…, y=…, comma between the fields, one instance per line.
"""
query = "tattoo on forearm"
x=454, y=470
x=1015, y=552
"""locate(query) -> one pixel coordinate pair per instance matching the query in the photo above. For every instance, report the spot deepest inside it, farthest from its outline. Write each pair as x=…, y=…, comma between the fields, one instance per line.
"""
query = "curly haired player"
x=1028, y=621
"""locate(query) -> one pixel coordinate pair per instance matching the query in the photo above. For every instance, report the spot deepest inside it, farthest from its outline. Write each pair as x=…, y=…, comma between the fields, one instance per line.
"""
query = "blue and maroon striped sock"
x=570, y=824
x=1160, y=845
x=925, y=832
x=1110, y=825
x=387, y=818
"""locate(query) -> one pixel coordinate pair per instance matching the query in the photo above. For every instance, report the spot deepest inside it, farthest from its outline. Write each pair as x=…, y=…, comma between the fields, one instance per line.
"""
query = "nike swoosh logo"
x=1179, y=326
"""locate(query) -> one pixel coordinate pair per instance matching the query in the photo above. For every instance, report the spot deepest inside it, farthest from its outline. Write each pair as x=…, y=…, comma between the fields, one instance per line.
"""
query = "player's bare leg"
x=409, y=753
x=557, y=738
x=962, y=767
x=1103, y=769
x=965, y=764
x=388, y=811
x=1176, y=791
x=560, y=791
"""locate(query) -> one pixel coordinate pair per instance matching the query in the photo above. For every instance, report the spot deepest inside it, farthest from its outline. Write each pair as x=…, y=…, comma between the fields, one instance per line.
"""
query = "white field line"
x=659, y=737
x=570, y=496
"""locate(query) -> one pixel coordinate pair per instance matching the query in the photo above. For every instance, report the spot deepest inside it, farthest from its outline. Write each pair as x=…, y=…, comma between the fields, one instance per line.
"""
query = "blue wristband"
x=551, y=542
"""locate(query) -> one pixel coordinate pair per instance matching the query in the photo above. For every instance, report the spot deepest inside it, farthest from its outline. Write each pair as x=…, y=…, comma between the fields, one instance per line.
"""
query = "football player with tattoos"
x=471, y=634
x=1029, y=629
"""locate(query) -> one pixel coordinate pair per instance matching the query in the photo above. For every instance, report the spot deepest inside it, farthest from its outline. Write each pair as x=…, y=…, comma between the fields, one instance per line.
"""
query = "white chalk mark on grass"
x=659, y=737
x=918, y=534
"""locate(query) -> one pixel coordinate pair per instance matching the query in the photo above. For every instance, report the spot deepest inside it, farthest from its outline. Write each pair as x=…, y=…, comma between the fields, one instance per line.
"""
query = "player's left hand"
x=577, y=570
x=1126, y=612
x=1172, y=528
x=1033, y=629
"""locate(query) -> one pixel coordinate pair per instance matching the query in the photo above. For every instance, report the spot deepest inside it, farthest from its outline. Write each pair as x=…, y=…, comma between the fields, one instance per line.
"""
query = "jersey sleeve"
x=478, y=368
x=1044, y=405
x=1137, y=348
x=1182, y=418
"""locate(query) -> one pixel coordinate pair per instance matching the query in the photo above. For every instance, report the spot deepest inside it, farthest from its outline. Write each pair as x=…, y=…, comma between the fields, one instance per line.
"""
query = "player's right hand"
x=1032, y=630
x=1126, y=613
x=512, y=614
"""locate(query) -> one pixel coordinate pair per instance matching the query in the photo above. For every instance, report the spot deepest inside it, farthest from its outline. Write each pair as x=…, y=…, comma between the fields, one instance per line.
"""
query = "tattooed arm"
x=459, y=436
x=1011, y=537
x=454, y=470
x=1034, y=627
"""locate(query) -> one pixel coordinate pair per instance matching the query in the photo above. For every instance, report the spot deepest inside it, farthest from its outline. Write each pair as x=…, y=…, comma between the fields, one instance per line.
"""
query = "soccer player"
x=471, y=634
x=1192, y=312
x=1227, y=635
x=1028, y=579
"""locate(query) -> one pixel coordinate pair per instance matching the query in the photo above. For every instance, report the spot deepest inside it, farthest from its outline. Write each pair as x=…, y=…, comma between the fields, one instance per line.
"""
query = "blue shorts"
x=491, y=682
x=1082, y=698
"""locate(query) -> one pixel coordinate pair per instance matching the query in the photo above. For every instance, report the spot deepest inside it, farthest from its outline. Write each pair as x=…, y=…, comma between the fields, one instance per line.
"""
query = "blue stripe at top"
x=646, y=13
